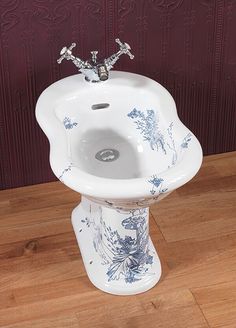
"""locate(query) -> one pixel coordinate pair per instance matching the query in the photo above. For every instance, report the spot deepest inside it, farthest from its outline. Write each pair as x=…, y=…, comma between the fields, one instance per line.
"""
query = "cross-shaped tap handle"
x=125, y=48
x=66, y=53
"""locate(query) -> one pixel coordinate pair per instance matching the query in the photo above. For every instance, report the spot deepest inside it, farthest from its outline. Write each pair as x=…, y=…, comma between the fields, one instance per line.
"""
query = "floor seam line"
x=199, y=306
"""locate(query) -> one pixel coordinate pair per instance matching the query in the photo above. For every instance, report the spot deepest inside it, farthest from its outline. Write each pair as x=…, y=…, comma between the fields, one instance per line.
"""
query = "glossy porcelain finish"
x=117, y=251
x=157, y=153
x=122, y=146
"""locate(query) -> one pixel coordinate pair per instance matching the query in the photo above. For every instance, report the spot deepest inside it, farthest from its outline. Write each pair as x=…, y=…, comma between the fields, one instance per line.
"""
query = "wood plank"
x=215, y=293
x=220, y=314
x=218, y=303
x=145, y=310
x=58, y=321
x=36, y=197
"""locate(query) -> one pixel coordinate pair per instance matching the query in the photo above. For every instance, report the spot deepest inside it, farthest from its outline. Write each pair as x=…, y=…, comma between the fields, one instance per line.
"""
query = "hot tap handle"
x=66, y=53
x=125, y=48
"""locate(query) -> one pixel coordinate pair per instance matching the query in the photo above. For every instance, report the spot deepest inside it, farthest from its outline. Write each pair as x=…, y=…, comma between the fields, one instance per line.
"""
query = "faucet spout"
x=103, y=72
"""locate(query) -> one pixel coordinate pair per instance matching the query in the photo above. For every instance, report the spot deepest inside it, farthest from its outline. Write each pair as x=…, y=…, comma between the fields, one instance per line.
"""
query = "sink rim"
x=99, y=187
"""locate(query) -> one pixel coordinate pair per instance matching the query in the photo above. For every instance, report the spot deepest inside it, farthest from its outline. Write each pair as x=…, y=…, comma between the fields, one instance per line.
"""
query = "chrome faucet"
x=93, y=70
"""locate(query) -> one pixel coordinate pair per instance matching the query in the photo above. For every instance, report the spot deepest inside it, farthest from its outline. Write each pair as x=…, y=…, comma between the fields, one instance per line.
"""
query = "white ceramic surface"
x=129, y=153
x=117, y=251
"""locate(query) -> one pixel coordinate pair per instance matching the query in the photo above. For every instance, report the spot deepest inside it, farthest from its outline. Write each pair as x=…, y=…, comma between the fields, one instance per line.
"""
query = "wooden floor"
x=43, y=283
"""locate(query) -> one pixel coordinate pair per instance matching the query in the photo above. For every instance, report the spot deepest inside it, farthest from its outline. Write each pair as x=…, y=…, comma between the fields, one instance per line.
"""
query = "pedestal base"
x=117, y=252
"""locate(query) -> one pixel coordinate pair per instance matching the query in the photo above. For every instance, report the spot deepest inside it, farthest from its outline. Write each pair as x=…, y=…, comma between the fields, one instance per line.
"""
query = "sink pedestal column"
x=117, y=251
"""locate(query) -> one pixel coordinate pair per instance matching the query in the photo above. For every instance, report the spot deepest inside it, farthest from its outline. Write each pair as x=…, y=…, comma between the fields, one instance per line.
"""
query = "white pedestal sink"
x=122, y=146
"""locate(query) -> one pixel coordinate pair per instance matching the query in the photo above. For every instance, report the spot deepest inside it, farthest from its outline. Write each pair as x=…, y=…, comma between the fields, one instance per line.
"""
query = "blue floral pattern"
x=186, y=141
x=157, y=185
x=67, y=169
x=126, y=257
x=148, y=124
x=171, y=144
x=68, y=124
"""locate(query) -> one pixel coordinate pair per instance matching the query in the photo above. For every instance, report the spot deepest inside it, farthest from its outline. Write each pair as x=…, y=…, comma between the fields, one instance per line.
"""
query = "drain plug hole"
x=107, y=155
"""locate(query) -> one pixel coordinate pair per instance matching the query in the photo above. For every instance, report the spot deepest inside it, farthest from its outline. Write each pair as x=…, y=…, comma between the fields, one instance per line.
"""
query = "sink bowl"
x=122, y=146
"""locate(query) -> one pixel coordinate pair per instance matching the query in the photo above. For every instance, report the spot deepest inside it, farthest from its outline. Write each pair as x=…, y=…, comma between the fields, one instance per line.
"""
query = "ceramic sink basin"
x=135, y=122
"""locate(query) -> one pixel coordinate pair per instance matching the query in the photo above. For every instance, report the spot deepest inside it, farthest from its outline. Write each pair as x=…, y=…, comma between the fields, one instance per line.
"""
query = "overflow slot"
x=100, y=106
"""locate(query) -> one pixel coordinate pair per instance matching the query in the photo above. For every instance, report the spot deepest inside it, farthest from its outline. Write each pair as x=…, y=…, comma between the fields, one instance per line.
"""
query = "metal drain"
x=107, y=155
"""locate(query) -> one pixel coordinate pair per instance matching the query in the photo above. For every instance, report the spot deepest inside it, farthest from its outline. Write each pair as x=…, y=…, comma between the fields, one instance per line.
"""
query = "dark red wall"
x=187, y=45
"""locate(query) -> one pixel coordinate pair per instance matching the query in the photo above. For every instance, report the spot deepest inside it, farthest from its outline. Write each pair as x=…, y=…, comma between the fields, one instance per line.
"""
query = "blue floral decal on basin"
x=68, y=123
x=171, y=144
x=67, y=169
x=126, y=257
x=157, y=185
x=147, y=122
x=186, y=141
x=149, y=128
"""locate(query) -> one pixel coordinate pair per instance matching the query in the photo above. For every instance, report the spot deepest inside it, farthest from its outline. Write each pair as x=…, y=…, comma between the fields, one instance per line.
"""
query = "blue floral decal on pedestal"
x=127, y=257
x=68, y=124
x=86, y=221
